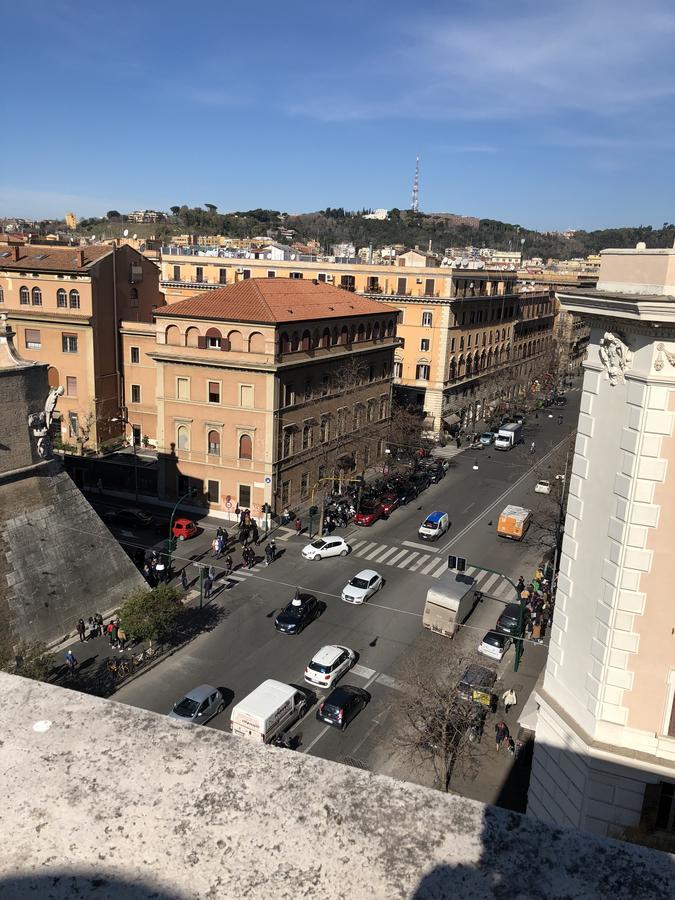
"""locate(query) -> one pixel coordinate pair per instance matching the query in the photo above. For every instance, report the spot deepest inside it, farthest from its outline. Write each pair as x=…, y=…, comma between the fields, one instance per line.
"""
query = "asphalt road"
x=245, y=649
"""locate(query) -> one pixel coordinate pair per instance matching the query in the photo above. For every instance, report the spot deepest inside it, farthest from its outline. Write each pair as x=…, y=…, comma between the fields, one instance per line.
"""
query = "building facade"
x=604, y=757
x=65, y=304
x=262, y=391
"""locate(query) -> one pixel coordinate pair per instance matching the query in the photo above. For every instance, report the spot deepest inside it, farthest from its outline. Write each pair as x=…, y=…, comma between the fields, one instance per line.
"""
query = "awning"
x=451, y=419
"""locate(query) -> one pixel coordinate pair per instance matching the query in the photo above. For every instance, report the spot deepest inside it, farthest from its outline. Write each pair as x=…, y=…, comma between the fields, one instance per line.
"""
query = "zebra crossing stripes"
x=398, y=556
x=408, y=559
x=419, y=562
x=381, y=558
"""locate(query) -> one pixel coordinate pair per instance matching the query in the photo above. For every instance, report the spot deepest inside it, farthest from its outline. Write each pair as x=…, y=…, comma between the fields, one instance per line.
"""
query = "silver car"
x=199, y=705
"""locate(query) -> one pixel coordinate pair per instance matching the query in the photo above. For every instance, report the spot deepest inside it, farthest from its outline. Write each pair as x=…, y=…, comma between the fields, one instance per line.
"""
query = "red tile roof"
x=45, y=258
x=275, y=300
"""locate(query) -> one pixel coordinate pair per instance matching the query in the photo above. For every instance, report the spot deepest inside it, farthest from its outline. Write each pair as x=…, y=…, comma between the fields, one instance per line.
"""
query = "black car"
x=434, y=471
x=508, y=621
x=421, y=479
x=134, y=518
x=302, y=609
x=341, y=705
x=406, y=491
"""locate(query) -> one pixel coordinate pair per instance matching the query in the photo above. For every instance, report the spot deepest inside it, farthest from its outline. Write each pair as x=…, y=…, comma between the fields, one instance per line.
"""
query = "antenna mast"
x=415, y=206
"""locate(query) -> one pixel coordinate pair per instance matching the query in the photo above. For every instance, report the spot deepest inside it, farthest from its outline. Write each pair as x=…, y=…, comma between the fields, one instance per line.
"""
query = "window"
x=422, y=372
x=398, y=369
x=308, y=390
x=71, y=386
x=133, y=296
x=247, y=273
x=468, y=341
x=136, y=435
x=61, y=299
x=2, y=296
x=214, y=443
x=348, y=283
x=287, y=447
x=135, y=393
x=424, y=344
x=307, y=436
x=74, y=299
x=182, y=388
x=271, y=273
x=357, y=417
x=183, y=437
x=213, y=342
x=429, y=285
x=246, y=396
x=289, y=395
x=401, y=285
x=370, y=415
x=325, y=429
x=245, y=496
x=426, y=319
x=222, y=276
x=33, y=341
x=295, y=275
x=285, y=493
x=341, y=420
x=366, y=455
x=24, y=296
x=176, y=273
x=69, y=343
x=37, y=296
x=213, y=491
x=199, y=274
x=214, y=392
x=73, y=425
x=383, y=407
x=321, y=276
x=304, y=485
x=245, y=447
x=135, y=354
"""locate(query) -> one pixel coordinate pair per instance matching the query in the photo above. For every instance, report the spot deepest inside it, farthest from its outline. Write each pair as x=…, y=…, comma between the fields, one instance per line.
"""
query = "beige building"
x=256, y=392
x=604, y=756
x=65, y=304
x=458, y=325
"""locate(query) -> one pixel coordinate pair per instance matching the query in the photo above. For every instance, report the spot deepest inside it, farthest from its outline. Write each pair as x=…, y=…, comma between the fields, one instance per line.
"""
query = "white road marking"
x=407, y=560
x=362, y=671
x=488, y=584
x=356, y=544
x=376, y=551
x=505, y=590
x=317, y=738
x=432, y=565
x=419, y=546
x=393, y=683
x=395, y=559
x=364, y=550
x=419, y=562
x=384, y=555
x=442, y=568
x=469, y=506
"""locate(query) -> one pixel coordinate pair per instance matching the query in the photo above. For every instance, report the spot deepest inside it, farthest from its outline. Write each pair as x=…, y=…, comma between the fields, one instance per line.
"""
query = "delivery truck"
x=270, y=709
x=509, y=435
x=514, y=522
x=449, y=603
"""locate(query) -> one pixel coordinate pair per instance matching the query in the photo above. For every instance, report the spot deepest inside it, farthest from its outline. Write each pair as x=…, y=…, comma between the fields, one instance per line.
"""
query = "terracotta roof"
x=45, y=258
x=275, y=300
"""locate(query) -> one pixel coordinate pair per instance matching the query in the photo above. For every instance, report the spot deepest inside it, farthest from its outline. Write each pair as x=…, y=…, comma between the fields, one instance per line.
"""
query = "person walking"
x=71, y=663
x=121, y=639
x=509, y=699
x=268, y=555
x=81, y=629
x=212, y=573
x=113, y=634
x=520, y=587
x=160, y=570
x=184, y=578
x=511, y=746
x=228, y=565
x=501, y=734
x=298, y=526
x=219, y=532
x=208, y=584
x=532, y=448
x=458, y=442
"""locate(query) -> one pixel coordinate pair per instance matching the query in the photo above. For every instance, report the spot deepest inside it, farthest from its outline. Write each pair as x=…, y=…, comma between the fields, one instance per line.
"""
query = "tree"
x=175, y=210
x=211, y=207
x=151, y=614
x=112, y=214
x=432, y=723
x=29, y=659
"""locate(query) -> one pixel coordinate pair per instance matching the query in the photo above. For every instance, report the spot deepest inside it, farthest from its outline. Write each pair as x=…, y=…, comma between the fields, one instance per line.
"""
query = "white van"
x=435, y=524
x=270, y=709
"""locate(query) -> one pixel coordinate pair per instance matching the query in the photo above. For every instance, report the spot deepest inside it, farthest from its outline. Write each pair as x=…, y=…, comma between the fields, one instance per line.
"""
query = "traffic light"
x=313, y=510
x=461, y=564
x=266, y=508
x=452, y=562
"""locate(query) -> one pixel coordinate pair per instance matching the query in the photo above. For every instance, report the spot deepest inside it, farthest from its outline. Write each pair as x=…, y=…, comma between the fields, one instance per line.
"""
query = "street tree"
x=151, y=614
x=211, y=207
x=548, y=525
x=113, y=214
x=432, y=723
x=29, y=659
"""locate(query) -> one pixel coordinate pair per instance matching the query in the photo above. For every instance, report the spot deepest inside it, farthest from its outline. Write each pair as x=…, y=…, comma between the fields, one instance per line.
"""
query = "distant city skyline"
x=554, y=119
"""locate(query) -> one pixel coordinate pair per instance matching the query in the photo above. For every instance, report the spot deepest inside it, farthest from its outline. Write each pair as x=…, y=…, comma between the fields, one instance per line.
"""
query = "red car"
x=389, y=503
x=184, y=528
x=369, y=513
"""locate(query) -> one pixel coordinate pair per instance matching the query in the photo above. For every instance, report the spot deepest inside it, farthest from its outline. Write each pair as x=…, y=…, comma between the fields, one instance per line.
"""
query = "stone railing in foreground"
x=102, y=800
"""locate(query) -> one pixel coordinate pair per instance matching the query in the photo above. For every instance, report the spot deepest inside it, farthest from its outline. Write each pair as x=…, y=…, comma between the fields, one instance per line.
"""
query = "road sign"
x=268, y=480
x=228, y=505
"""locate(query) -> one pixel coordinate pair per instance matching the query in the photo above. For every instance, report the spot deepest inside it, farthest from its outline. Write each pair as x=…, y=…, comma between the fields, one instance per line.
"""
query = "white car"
x=329, y=664
x=542, y=487
x=362, y=586
x=495, y=644
x=328, y=546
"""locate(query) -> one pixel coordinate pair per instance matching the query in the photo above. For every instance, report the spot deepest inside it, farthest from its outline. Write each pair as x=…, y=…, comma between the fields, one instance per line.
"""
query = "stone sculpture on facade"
x=615, y=356
x=41, y=423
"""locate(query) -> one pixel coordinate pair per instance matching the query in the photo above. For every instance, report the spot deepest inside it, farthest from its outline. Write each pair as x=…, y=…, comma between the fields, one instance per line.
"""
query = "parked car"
x=134, y=518
x=184, y=528
x=342, y=705
x=328, y=546
x=369, y=513
x=476, y=684
x=329, y=664
x=302, y=610
x=542, y=486
x=389, y=502
x=405, y=491
x=495, y=645
x=199, y=705
x=421, y=480
x=486, y=438
x=362, y=586
x=434, y=471
x=508, y=621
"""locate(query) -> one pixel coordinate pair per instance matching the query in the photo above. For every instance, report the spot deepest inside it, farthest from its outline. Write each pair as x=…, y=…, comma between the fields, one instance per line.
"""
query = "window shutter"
x=201, y=342
x=224, y=344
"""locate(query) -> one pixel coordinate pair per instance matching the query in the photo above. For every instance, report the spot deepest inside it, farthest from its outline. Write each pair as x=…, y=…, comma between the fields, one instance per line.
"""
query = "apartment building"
x=604, y=757
x=255, y=392
x=65, y=304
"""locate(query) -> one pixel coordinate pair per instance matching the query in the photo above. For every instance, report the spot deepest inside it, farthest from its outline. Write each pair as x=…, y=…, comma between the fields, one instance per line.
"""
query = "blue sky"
x=549, y=115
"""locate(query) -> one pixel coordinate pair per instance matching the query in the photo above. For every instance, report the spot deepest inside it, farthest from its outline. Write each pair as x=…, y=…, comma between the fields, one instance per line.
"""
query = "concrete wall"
x=22, y=391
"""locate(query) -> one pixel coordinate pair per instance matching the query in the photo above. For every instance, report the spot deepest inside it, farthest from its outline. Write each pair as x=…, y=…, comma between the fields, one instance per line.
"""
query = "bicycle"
x=118, y=668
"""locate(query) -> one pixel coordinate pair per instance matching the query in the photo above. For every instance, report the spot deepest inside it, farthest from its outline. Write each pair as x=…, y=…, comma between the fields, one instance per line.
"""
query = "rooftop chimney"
x=80, y=259
x=14, y=250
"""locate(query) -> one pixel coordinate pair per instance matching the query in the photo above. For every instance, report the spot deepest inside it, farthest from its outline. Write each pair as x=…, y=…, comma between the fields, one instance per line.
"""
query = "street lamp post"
x=189, y=493
x=125, y=421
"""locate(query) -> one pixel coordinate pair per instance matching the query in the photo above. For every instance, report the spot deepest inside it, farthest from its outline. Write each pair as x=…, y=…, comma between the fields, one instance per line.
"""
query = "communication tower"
x=415, y=205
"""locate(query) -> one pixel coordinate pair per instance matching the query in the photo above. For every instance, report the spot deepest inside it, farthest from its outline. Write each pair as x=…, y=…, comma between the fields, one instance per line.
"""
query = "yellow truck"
x=514, y=522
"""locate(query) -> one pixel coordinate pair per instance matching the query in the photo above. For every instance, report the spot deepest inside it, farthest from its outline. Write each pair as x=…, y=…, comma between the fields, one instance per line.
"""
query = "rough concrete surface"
x=103, y=800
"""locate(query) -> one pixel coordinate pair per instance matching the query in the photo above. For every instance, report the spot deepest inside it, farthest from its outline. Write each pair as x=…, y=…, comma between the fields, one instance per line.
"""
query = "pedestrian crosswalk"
x=426, y=561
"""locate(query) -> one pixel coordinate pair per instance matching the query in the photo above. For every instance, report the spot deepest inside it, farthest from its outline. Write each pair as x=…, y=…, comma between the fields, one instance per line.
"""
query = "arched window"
x=325, y=339
x=236, y=341
x=192, y=337
x=61, y=299
x=183, y=437
x=245, y=447
x=285, y=343
x=335, y=338
x=369, y=330
x=53, y=377
x=213, y=339
x=37, y=296
x=172, y=335
x=214, y=443
x=74, y=299
x=295, y=341
x=344, y=335
x=24, y=295
x=256, y=343
x=361, y=333
x=390, y=328
x=306, y=340
x=376, y=331
x=452, y=373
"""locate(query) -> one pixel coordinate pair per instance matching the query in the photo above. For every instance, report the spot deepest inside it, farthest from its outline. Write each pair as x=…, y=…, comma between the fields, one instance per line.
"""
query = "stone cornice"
x=649, y=310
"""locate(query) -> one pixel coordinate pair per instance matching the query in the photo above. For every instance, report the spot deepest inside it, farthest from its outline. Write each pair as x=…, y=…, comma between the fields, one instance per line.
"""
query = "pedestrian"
x=71, y=662
x=228, y=565
x=99, y=485
x=286, y=516
x=219, y=532
x=121, y=639
x=214, y=546
x=219, y=546
x=273, y=550
x=520, y=587
x=501, y=733
x=160, y=571
x=298, y=526
x=268, y=555
x=113, y=634
x=458, y=441
x=531, y=448
x=81, y=629
x=98, y=618
x=184, y=578
x=511, y=746
x=212, y=573
x=208, y=584
x=510, y=699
